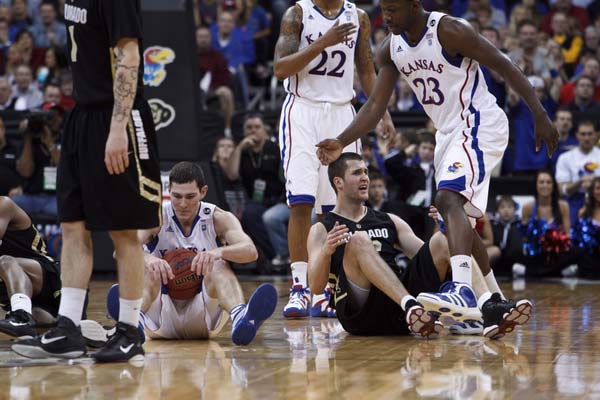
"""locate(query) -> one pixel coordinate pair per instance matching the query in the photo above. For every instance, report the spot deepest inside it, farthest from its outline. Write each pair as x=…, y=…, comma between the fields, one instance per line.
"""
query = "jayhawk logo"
x=590, y=167
x=455, y=166
x=155, y=59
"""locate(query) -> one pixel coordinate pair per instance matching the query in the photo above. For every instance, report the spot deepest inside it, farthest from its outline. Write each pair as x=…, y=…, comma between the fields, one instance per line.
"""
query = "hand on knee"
x=360, y=242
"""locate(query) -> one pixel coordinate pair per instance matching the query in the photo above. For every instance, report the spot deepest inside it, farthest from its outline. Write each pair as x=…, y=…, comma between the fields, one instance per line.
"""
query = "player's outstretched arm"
x=238, y=246
x=288, y=60
x=370, y=113
x=407, y=240
x=321, y=245
x=458, y=37
x=116, y=157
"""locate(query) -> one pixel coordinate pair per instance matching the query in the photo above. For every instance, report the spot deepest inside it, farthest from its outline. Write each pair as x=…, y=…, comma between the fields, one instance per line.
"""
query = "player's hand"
x=116, y=158
x=203, y=262
x=337, y=236
x=338, y=33
x=160, y=269
x=546, y=131
x=329, y=150
x=434, y=213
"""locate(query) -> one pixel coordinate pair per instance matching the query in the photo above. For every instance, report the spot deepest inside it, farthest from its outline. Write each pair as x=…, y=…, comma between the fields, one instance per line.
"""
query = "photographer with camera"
x=38, y=161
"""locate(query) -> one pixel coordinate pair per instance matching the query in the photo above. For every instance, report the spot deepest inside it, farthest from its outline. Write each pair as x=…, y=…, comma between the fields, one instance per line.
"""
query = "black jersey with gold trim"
x=25, y=243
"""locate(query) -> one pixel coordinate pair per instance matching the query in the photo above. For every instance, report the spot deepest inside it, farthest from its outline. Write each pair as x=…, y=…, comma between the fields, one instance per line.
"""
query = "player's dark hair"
x=556, y=214
x=339, y=166
x=185, y=172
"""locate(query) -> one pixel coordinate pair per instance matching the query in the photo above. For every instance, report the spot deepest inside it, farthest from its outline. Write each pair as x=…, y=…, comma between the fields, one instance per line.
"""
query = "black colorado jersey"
x=26, y=243
x=382, y=231
x=93, y=28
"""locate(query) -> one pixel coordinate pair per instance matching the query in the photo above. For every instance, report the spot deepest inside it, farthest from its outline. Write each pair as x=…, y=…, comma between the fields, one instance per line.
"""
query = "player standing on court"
x=439, y=57
x=108, y=177
x=319, y=44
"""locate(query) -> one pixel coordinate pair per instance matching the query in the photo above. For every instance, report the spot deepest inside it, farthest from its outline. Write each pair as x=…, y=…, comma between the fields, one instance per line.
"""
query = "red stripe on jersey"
x=462, y=104
x=471, y=164
x=289, y=135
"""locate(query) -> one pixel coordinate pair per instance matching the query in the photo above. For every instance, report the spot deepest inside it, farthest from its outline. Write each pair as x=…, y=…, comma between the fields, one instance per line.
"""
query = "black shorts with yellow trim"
x=85, y=189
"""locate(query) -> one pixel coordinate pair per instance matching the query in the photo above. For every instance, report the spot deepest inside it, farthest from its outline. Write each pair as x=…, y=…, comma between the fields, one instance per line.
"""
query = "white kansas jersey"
x=451, y=89
x=171, y=236
x=330, y=76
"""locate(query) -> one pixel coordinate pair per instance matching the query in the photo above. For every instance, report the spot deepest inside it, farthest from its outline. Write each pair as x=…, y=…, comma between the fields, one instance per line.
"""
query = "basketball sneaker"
x=501, y=316
x=468, y=327
x=18, y=323
x=320, y=305
x=124, y=345
x=112, y=311
x=455, y=300
x=250, y=317
x=64, y=341
x=297, y=306
x=421, y=322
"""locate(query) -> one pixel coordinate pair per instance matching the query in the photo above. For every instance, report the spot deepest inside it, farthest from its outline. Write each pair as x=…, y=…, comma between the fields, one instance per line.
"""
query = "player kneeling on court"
x=29, y=278
x=188, y=281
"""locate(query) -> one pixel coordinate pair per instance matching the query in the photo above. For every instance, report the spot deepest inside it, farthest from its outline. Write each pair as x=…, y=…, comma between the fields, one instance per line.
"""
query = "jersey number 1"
x=320, y=70
x=73, y=43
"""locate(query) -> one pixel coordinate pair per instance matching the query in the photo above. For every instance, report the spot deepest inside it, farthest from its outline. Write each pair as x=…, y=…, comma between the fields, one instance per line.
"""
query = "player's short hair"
x=186, y=172
x=339, y=166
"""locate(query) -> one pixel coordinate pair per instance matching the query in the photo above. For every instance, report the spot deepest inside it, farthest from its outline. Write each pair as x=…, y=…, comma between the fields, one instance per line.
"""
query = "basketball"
x=185, y=285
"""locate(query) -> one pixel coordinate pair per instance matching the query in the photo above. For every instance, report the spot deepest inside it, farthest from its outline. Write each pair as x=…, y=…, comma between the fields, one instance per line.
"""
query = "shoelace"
x=297, y=296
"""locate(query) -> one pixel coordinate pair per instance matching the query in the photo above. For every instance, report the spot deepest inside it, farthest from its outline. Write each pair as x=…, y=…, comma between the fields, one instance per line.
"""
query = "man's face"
x=584, y=90
x=255, y=127
x=506, y=211
x=203, y=39
x=591, y=38
x=5, y=91
x=491, y=36
x=426, y=151
x=19, y=9
x=23, y=77
x=528, y=37
x=52, y=94
x=376, y=191
x=564, y=121
x=399, y=15
x=356, y=181
x=559, y=24
x=47, y=14
x=225, y=23
x=591, y=69
x=224, y=149
x=586, y=134
x=185, y=198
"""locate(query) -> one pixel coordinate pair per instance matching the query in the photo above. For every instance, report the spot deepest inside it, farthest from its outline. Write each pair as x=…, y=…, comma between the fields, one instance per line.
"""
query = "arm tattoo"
x=289, y=36
x=124, y=88
x=364, y=57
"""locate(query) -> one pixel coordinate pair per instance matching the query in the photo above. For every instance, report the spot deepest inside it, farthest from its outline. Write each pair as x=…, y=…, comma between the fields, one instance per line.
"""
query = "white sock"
x=20, y=301
x=483, y=298
x=236, y=313
x=299, y=273
x=461, y=269
x=71, y=303
x=129, y=311
x=492, y=284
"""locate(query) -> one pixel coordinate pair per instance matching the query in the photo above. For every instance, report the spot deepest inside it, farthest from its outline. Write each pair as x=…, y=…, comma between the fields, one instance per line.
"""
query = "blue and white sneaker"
x=320, y=305
x=468, y=327
x=298, y=304
x=250, y=317
x=455, y=300
x=112, y=309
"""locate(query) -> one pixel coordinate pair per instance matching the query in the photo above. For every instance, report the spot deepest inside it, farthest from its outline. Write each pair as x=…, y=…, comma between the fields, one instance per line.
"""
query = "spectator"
x=591, y=41
x=495, y=16
x=519, y=14
x=583, y=107
x=566, y=141
x=536, y=9
x=52, y=94
x=49, y=32
x=20, y=19
x=11, y=61
x=576, y=168
x=9, y=178
x=54, y=63
x=256, y=161
x=4, y=41
x=257, y=21
x=526, y=159
x=229, y=40
x=25, y=90
x=276, y=219
x=568, y=9
x=7, y=101
x=33, y=56
x=587, y=264
x=546, y=208
x=494, y=80
x=235, y=195
x=214, y=75
x=507, y=245
x=530, y=56
x=571, y=44
x=37, y=165
x=591, y=69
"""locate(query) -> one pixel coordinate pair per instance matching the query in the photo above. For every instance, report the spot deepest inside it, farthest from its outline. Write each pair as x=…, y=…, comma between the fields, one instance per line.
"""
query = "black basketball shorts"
x=380, y=315
x=86, y=191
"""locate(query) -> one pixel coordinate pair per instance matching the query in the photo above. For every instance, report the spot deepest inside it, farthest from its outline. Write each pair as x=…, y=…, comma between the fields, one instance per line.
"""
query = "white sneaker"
x=298, y=304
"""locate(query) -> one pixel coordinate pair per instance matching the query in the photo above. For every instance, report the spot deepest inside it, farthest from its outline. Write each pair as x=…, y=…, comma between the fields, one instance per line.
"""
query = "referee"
x=108, y=177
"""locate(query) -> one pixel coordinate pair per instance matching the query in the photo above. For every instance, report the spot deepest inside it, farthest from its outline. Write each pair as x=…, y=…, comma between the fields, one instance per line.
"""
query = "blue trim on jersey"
x=326, y=209
x=164, y=289
x=475, y=83
x=301, y=199
x=152, y=244
x=454, y=60
x=283, y=126
x=456, y=185
x=475, y=146
x=326, y=17
x=181, y=227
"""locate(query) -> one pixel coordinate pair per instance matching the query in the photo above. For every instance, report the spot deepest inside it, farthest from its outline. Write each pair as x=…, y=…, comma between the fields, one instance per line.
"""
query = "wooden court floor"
x=557, y=355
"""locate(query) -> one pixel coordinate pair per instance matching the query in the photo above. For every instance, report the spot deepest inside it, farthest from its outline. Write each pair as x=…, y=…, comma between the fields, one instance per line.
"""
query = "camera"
x=37, y=119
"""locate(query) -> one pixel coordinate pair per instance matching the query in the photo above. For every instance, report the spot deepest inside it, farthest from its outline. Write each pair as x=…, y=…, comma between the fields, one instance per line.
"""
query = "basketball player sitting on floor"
x=357, y=247
x=216, y=237
x=29, y=278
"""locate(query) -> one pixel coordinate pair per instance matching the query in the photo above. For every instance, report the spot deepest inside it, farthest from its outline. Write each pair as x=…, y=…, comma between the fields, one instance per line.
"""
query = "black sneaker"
x=64, y=341
x=124, y=345
x=501, y=316
x=18, y=323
